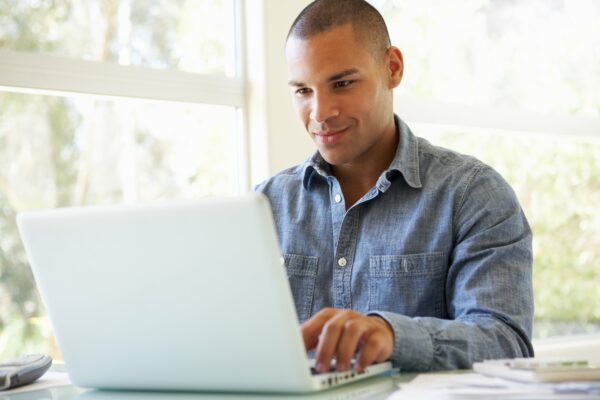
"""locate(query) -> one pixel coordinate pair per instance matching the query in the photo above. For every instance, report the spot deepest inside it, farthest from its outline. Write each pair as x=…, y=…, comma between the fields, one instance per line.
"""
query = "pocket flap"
x=411, y=264
x=298, y=265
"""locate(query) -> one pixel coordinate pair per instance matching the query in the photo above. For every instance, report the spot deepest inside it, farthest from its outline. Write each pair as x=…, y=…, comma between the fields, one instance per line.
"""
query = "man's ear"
x=394, y=65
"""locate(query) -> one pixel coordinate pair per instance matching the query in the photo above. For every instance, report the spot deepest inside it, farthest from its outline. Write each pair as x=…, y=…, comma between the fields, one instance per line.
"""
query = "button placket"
x=343, y=261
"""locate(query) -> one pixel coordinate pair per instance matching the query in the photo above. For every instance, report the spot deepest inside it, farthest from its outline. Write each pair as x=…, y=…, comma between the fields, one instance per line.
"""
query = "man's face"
x=343, y=95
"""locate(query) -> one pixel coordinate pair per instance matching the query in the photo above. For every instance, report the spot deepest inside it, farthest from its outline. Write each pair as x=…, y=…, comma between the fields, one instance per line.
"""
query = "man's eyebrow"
x=334, y=77
x=343, y=74
x=296, y=84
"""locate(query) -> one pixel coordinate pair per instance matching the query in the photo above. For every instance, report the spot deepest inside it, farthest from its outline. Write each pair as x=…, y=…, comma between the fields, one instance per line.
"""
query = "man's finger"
x=353, y=332
x=329, y=340
x=311, y=328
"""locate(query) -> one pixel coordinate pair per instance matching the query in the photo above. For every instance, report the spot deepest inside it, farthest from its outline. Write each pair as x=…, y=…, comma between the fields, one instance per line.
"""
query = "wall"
x=277, y=139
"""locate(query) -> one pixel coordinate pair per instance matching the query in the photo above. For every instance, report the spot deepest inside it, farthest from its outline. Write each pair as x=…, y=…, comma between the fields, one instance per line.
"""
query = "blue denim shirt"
x=439, y=248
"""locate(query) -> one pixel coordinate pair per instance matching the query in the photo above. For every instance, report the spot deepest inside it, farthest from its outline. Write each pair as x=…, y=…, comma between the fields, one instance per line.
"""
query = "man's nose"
x=323, y=108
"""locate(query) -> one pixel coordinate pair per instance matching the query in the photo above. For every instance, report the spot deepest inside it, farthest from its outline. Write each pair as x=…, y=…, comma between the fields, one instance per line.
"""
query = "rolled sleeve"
x=413, y=345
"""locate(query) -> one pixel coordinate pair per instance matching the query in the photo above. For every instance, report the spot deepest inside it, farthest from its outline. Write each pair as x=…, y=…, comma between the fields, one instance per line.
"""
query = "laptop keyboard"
x=333, y=377
x=332, y=370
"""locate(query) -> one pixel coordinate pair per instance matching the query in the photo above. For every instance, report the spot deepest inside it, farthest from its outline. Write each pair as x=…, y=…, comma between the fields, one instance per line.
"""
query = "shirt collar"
x=315, y=166
x=405, y=162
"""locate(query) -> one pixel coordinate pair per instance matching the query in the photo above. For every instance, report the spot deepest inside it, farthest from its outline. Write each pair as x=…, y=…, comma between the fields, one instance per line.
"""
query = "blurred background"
x=125, y=101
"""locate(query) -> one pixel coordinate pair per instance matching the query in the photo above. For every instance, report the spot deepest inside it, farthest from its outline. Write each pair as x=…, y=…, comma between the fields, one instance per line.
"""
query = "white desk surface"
x=379, y=387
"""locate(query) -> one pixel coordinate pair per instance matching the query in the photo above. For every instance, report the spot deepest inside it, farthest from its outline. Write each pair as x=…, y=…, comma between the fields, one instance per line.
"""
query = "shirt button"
x=337, y=198
x=342, y=262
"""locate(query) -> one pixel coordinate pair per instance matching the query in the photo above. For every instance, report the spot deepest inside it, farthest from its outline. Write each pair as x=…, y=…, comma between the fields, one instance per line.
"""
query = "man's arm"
x=488, y=289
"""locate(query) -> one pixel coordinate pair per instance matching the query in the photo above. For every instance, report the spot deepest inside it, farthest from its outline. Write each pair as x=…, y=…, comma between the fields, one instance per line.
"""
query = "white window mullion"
x=47, y=73
x=436, y=112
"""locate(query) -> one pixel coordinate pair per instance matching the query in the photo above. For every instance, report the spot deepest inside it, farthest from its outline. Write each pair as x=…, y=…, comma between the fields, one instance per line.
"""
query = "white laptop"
x=186, y=296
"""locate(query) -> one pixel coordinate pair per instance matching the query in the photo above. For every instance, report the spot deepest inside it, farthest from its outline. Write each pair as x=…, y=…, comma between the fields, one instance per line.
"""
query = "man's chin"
x=332, y=157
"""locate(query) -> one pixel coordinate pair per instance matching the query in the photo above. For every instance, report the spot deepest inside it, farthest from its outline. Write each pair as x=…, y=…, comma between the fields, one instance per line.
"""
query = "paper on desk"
x=49, y=380
x=475, y=386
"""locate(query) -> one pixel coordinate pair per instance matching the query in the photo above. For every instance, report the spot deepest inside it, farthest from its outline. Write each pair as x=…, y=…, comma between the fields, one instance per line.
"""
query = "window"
x=106, y=102
x=189, y=35
x=535, y=56
x=516, y=84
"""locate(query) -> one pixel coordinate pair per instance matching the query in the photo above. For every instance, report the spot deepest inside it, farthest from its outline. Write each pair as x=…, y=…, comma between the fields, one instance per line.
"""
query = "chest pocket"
x=412, y=285
x=302, y=274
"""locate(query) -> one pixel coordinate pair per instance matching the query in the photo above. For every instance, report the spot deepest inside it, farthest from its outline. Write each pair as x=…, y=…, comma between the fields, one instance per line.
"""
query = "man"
x=394, y=248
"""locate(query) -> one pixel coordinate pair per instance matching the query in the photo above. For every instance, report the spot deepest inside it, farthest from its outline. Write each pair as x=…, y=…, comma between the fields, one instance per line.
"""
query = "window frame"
x=63, y=76
x=436, y=112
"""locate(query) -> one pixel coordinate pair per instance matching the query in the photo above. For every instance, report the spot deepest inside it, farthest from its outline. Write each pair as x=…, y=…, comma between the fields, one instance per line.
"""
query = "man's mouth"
x=329, y=136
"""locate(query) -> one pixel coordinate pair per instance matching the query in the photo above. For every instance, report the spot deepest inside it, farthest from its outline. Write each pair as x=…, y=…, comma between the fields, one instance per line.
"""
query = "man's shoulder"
x=436, y=162
x=465, y=175
x=439, y=156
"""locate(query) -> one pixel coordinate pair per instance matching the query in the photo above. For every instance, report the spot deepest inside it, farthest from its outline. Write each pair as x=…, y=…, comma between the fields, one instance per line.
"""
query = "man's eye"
x=302, y=91
x=343, y=84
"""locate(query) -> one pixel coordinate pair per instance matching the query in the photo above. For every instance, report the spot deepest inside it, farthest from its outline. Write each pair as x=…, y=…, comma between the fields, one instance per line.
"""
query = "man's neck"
x=358, y=178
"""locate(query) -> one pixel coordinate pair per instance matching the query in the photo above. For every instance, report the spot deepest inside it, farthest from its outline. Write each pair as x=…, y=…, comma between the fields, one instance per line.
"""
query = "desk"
x=379, y=387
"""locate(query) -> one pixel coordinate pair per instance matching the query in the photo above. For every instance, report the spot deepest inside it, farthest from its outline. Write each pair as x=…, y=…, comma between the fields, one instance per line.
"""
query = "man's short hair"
x=323, y=15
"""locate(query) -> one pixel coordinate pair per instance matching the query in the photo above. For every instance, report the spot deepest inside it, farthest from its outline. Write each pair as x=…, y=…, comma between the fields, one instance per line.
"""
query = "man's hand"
x=343, y=333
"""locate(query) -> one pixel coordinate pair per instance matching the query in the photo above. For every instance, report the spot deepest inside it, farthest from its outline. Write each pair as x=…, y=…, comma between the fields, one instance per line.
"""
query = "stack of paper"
x=475, y=386
x=539, y=370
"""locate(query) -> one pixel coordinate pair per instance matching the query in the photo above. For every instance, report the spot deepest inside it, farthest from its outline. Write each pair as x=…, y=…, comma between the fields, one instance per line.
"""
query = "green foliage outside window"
x=60, y=151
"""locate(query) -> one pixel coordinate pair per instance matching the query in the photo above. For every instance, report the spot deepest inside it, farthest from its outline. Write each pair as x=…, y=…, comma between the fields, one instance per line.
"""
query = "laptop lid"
x=184, y=295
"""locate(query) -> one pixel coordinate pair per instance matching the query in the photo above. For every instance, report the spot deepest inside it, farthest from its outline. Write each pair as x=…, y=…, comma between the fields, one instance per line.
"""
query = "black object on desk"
x=24, y=370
